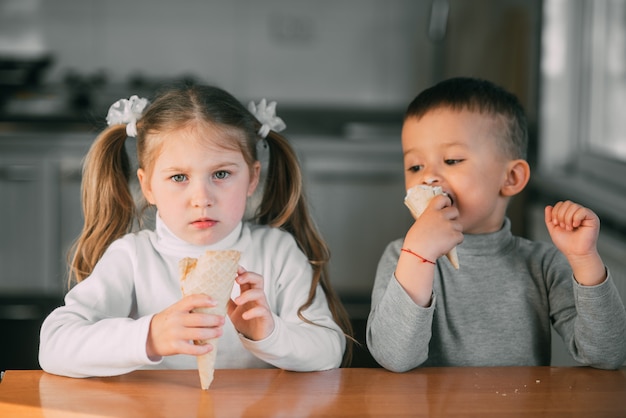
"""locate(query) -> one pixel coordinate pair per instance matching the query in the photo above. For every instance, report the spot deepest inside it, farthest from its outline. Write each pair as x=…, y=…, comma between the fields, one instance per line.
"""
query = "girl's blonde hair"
x=110, y=210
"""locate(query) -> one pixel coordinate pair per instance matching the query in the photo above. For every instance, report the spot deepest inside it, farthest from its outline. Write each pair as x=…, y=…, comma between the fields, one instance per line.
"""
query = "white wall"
x=367, y=52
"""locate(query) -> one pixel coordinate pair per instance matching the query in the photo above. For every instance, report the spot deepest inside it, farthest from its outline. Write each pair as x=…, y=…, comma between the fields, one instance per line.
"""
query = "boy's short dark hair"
x=482, y=96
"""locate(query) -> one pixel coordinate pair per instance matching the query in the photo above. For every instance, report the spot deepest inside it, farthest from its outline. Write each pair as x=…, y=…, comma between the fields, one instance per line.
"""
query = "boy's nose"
x=430, y=175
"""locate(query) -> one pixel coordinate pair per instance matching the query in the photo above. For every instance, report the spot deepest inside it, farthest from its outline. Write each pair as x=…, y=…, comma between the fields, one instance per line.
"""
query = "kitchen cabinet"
x=356, y=189
x=40, y=216
x=40, y=212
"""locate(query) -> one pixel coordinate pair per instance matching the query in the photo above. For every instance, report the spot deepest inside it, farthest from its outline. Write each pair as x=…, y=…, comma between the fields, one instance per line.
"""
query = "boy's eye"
x=415, y=168
x=178, y=178
x=221, y=175
x=453, y=161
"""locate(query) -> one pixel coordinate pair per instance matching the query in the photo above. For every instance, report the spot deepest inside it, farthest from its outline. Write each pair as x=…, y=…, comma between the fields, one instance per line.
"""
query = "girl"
x=198, y=165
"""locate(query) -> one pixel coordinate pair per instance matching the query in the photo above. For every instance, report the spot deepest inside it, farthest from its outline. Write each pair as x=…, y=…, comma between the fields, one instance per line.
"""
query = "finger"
x=191, y=302
x=199, y=319
x=560, y=213
x=201, y=334
x=572, y=215
x=196, y=327
x=231, y=306
x=456, y=226
x=256, y=312
x=252, y=295
x=252, y=279
x=241, y=279
x=580, y=215
x=450, y=212
x=570, y=210
x=549, y=220
x=440, y=201
x=190, y=348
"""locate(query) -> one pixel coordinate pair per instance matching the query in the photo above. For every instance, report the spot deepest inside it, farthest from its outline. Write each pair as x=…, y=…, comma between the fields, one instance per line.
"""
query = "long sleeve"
x=103, y=327
x=596, y=336
x=97, y=331
x=398, y=330
x=294, y=344
x=496, y=310
x=299, y=347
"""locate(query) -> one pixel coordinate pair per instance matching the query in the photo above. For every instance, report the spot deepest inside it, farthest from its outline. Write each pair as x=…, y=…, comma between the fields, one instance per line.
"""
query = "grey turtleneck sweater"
x=496, y=310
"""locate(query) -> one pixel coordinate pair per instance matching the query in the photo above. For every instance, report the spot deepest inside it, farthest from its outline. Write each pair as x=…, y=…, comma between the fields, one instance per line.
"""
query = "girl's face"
x=199, y=187
x=458, y=151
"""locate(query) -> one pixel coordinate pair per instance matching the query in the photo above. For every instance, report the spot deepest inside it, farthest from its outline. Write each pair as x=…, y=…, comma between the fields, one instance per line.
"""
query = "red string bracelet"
x=424, y=260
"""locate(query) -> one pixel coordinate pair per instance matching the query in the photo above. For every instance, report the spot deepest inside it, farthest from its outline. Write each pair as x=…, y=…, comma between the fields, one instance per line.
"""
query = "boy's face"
x=457, y=150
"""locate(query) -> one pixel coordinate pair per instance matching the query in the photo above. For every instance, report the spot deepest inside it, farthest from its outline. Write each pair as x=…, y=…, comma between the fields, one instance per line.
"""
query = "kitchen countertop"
x=57, y=107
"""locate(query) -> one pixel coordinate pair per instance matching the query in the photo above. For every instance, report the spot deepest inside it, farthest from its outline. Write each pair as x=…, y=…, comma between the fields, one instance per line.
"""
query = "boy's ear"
x=517, y=176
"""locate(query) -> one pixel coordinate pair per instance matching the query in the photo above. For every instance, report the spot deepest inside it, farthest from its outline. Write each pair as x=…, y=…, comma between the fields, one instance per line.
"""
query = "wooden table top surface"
x=458, y=391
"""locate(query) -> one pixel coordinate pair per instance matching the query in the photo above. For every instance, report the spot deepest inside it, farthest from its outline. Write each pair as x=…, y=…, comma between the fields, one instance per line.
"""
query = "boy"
x=469, y=137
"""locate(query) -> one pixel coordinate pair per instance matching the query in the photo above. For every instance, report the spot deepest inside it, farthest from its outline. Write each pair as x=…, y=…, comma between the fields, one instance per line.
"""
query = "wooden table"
x=501, y=392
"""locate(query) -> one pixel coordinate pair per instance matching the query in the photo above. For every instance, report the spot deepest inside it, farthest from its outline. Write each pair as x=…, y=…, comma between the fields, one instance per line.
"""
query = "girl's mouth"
x=203, y=223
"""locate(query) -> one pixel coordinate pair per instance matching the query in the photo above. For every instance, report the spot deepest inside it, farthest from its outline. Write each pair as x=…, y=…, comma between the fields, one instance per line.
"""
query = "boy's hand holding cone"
x=417, y=199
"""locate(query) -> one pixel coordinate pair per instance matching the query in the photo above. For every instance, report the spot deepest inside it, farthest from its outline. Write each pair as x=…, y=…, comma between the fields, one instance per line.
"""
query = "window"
x=607, y=127
x=582, y=133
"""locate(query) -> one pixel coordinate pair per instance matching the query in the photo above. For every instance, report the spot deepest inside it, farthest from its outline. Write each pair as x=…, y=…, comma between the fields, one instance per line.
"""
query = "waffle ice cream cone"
x=213, y=274
x=417, y=199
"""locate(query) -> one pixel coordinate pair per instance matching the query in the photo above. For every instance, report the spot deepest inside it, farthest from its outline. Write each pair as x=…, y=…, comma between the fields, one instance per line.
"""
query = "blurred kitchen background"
x=342, y=73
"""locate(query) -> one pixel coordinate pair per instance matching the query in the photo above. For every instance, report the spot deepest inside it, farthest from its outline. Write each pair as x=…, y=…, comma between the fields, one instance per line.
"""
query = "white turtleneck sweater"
x=103, y=327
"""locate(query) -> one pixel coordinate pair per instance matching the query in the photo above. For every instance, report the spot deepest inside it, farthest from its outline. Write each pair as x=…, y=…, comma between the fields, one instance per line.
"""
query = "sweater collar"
x=169, y=243
x=488, y=244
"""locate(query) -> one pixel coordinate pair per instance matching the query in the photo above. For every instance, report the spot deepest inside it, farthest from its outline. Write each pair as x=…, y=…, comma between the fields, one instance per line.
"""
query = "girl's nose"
x=203, y=196
x=201, y=203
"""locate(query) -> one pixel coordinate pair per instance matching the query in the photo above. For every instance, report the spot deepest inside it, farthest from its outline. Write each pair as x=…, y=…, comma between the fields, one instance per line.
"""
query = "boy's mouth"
x=449, y=197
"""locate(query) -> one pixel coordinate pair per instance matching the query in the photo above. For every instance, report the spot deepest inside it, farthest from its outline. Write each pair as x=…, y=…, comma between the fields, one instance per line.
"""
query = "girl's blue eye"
x=178, y=178
x=221, y=175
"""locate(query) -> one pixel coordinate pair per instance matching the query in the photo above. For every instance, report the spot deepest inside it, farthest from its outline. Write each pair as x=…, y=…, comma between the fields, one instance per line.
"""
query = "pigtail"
x=284, y=206
x=284, y=181
x=107, y=202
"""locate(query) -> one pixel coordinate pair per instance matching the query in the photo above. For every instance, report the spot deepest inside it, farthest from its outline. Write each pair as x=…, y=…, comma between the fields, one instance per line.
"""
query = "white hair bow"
x=266, y=114
x=127, y=111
